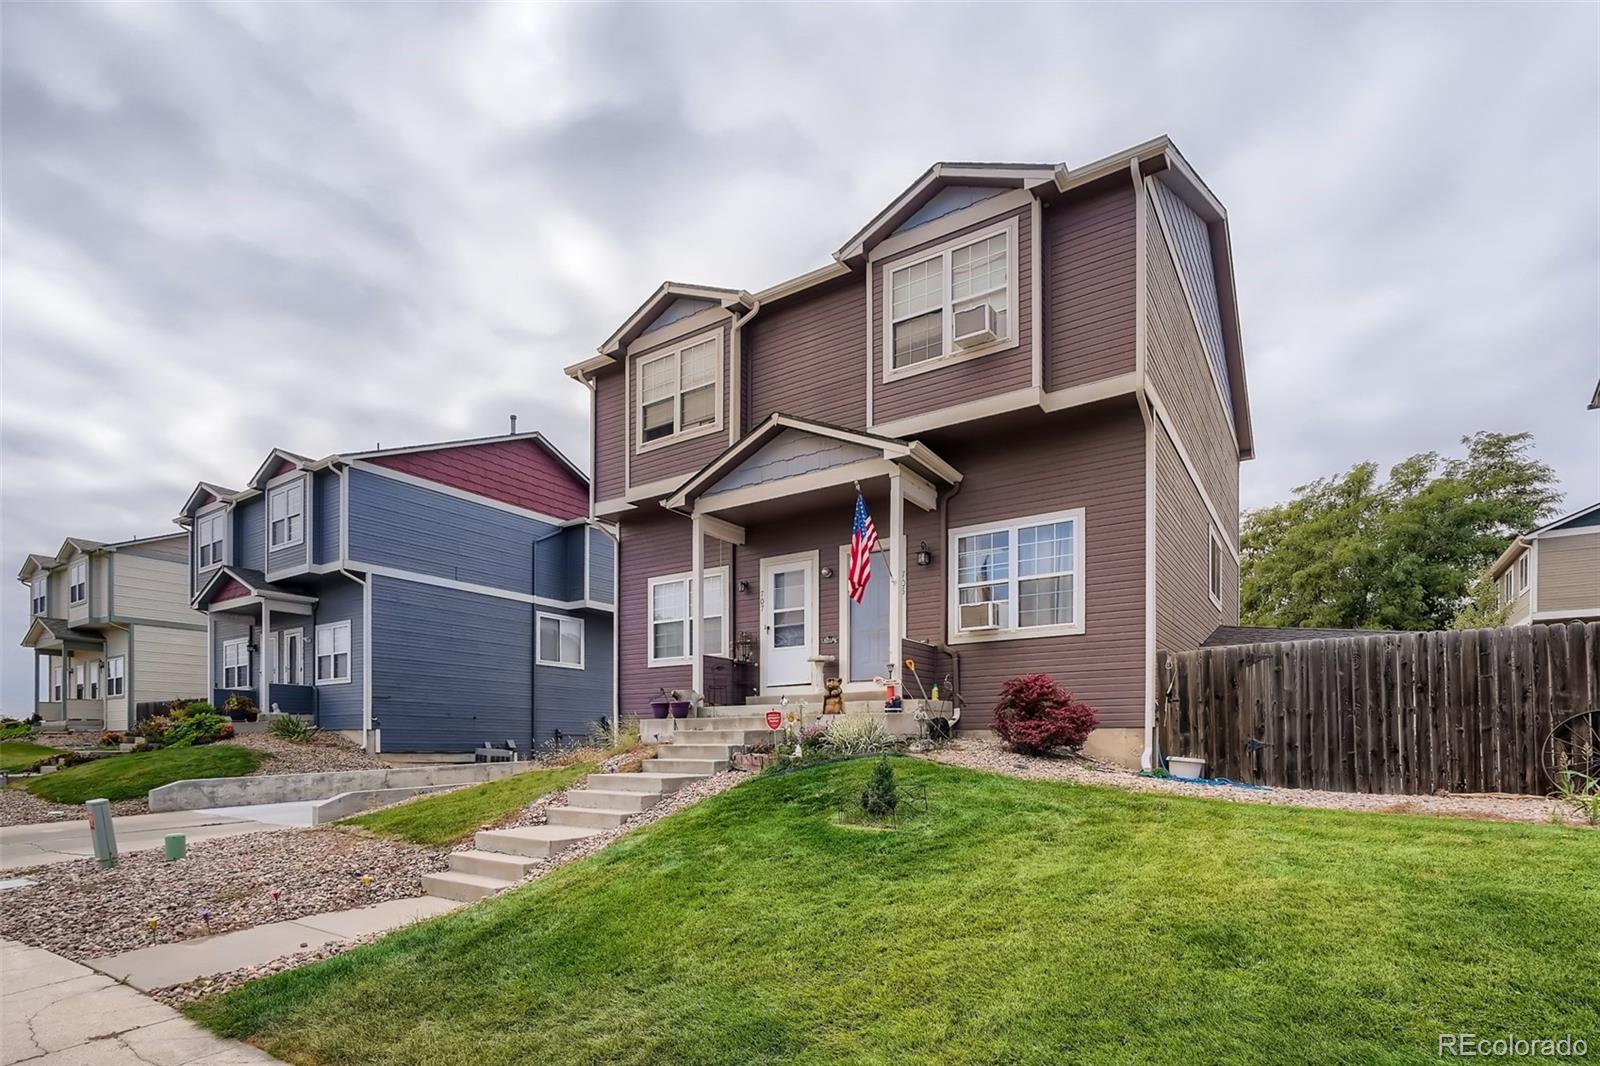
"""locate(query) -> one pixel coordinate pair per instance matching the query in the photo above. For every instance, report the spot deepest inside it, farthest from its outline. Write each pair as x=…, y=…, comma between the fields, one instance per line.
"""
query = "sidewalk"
x=169, y=964
x=55, y=1012
x=50, y=842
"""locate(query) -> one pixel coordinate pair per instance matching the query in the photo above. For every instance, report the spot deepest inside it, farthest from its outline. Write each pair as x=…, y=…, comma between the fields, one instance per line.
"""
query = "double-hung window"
x=560, y=641
x=1522, y=573
x=286, y=509
x=116, y=668
x=333, y=653
x=208, y=535
x=956, y=301
x=1020, y=578
x=680, y=391
x=1214, y=567
x=39, y=596
x=55, y=684
x=78, y=581
x=77, y=681
x=236, y=663
x=672, y=614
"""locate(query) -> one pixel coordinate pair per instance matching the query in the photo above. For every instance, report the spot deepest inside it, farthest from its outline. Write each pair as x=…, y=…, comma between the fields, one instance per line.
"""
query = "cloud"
x=238, y=226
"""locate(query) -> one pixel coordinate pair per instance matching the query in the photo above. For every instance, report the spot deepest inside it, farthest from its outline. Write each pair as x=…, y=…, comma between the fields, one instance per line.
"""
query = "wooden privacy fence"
x=1404, y=713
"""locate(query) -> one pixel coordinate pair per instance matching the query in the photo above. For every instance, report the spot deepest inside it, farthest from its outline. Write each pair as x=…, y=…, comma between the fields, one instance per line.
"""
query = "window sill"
x=928, y=366
x=683, y=661
x=1004, y=635
x=333, y=681
x=645, y=447
x=560, y=666
x=286, y=544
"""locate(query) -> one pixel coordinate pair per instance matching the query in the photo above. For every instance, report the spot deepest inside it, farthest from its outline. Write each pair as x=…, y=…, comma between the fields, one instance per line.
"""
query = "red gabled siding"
x=518, y=472
x=283, y=467
x=230, y=590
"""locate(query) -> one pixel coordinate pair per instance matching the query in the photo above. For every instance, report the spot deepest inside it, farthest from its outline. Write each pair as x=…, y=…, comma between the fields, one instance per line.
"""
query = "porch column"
x=697, y=553
x=897, y=571
x=66, y=682
x=36, y=680
x=264, y=682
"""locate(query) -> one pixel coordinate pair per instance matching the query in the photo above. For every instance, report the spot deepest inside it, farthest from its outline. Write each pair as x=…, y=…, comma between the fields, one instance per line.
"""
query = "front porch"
x=257, y=635
x=69, y=675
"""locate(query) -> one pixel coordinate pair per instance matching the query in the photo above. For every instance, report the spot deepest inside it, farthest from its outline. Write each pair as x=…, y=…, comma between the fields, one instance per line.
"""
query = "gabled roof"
x=253, y=580
x=269, y=466
x=203, y=489
x=1520, y=543
x=35, y=563
x=668, y=291
x=45, y=630
x=890, y=447
x=73, y=545
x=470, y=442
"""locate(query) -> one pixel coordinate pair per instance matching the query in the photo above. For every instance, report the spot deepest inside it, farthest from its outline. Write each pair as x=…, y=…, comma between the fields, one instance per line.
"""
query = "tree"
x=1359, y=552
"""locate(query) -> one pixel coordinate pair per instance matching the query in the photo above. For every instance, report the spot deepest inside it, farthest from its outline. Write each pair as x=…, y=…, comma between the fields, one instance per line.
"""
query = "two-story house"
x=1033, y=375
x=418, y=599
x=111, y=627
x=1552, y=574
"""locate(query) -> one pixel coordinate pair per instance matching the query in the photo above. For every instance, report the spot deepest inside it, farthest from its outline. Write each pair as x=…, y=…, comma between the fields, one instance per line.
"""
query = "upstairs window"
x=1522, y=573
x=958, y=300
x=236, y=663
x=560, y=641
x=39, y=598
x=1214, y=566
x=333, y=653
x=115, y=673
x=286, y=506
x=78, y=581
x=680, y=392
x=208, y=534
x=1021, y=578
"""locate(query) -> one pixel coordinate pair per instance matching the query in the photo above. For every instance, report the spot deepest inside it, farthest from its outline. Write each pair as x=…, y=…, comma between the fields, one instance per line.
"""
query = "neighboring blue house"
x=445, y=595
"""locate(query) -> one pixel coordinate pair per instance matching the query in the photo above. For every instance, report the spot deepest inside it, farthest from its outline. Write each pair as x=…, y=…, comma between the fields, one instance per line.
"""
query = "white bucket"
x=1187, y=768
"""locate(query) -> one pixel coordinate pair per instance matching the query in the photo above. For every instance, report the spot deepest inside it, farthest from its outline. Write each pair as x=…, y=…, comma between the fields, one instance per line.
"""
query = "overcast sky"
x=233, y=227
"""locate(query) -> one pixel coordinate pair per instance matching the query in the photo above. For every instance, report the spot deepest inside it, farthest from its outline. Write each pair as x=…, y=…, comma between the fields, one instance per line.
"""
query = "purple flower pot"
x=658, y=708
x=680, y=708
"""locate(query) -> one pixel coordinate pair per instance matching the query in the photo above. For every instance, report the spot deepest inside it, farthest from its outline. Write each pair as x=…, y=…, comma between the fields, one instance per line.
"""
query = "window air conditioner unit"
x=978, y=617
x=976, y=326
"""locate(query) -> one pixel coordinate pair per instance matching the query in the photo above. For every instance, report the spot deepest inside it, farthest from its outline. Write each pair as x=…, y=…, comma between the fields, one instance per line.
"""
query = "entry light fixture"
x=924, y=554
x=827, y=571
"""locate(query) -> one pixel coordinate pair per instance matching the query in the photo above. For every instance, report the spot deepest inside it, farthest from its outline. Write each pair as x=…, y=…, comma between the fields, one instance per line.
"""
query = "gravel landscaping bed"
x=325, y=753
x=81, y=911
x=986, y=753
x=18, y=807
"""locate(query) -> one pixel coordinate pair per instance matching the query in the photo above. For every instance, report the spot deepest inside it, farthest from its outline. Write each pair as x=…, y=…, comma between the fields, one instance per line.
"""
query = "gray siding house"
x=423, y=599
x=111, y=627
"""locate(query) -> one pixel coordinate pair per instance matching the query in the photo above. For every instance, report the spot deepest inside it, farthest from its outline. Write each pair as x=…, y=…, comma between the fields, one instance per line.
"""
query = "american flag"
x=863, y=541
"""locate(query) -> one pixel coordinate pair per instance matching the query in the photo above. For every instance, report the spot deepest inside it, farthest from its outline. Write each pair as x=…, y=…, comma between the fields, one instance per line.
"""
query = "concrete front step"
x=723, y=724
x=599, y=799
x=680, y=750
x=655, y=784
x=587, y=817
x=468, y=888
x=699, y=767
x=492, y=864
x=534, y=841
x=737, y=738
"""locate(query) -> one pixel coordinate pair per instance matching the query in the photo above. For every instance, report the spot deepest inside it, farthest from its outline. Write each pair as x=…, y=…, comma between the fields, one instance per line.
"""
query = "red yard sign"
x=774, y=719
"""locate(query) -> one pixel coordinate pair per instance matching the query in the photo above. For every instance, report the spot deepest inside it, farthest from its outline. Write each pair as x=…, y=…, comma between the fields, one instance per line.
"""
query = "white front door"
x=291, y=668
x=788, y=620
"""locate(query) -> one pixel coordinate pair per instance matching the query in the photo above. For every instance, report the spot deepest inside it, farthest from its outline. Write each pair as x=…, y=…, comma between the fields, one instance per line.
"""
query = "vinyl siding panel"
x=1090, y=288
x=117, y=707
x=989, y=375
x=807, y=357
x=167, y=664
x=325, y=518
x=76, y=612
x=147, y=588
x=100, y=586
x=172, y=549
x=652, y=545
x=250, y=534
x=680, y=459
x=1181, y=375
x=1190, y=239
x=791, y=453
x=57, y=607
x=558, y=562
x=1569, y=573
x=570, y=702
x=602, y=567
x=225, y=627
x=611, y=435
x=338, y=706
x=520, y=471
x=402, y=525
x=1185, y=612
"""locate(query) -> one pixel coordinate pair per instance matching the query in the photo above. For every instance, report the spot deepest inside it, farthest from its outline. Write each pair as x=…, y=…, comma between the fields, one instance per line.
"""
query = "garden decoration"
x=205, y=916
x=679, y=705
x=366, y=881
x=151, y=924
x=833, y=696
x=661, y=706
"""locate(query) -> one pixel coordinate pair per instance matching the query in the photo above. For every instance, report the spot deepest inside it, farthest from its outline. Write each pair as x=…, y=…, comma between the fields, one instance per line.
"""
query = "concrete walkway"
x=170, y=964
x=64, y=841
x=55, y=1012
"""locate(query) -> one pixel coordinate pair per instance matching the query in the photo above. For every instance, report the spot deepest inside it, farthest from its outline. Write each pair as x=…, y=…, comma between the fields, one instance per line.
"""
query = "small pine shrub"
x=881, y=795
x=294, y=730
x=1037, y=715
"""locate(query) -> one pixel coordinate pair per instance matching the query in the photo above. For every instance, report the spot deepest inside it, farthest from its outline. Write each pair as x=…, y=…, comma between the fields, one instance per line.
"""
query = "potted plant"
x=241, y=708
x=660, y=706
x=680, y=706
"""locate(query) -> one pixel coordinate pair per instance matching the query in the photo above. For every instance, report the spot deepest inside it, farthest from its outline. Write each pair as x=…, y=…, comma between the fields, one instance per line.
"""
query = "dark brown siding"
x=610, y=442
x=1091, y=287
x=989, y=375
x=1093, y=459
x=676, y=460
x=807, y=357
x=1185, y=613
x=653, y=544
x=1182, y=378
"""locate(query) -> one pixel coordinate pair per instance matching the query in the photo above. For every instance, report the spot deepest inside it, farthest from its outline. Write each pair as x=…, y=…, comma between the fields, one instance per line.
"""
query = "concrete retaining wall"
x=299, y=788
x=347, y=803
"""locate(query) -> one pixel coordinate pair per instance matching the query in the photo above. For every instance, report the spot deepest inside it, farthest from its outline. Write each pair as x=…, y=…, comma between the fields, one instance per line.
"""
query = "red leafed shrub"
x=1035, y=715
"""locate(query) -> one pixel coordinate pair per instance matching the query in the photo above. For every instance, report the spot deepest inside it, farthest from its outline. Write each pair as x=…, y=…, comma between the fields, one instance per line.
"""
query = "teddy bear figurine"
x=832, y=696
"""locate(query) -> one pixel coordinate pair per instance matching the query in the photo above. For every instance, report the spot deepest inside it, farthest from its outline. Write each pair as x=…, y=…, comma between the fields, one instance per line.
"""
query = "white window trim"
x=57, y=683
x=95, y=679
x=227, y=645
x=350, y=664
x=74, y=568
x=1215, y=551
x=1010, y=631
x=39, y=594
x=116, y=674
x=649, y=629
x=637, y=384
x=79, y=686
x=220, y=513
x=951, y=356
x=538, y=645
x=282, y=492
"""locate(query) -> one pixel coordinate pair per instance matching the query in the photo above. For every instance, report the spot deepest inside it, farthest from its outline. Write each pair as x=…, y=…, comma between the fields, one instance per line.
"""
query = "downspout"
x=955, y=656
x=729, y=600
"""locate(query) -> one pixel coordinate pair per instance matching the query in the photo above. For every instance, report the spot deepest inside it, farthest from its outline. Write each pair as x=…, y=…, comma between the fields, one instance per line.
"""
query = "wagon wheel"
x=1574, y=744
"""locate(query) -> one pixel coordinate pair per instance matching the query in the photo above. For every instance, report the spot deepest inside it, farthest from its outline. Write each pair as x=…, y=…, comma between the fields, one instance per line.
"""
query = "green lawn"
x=1017, y=922
x=17, y=755
x=453, y=816
x=130, y=776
